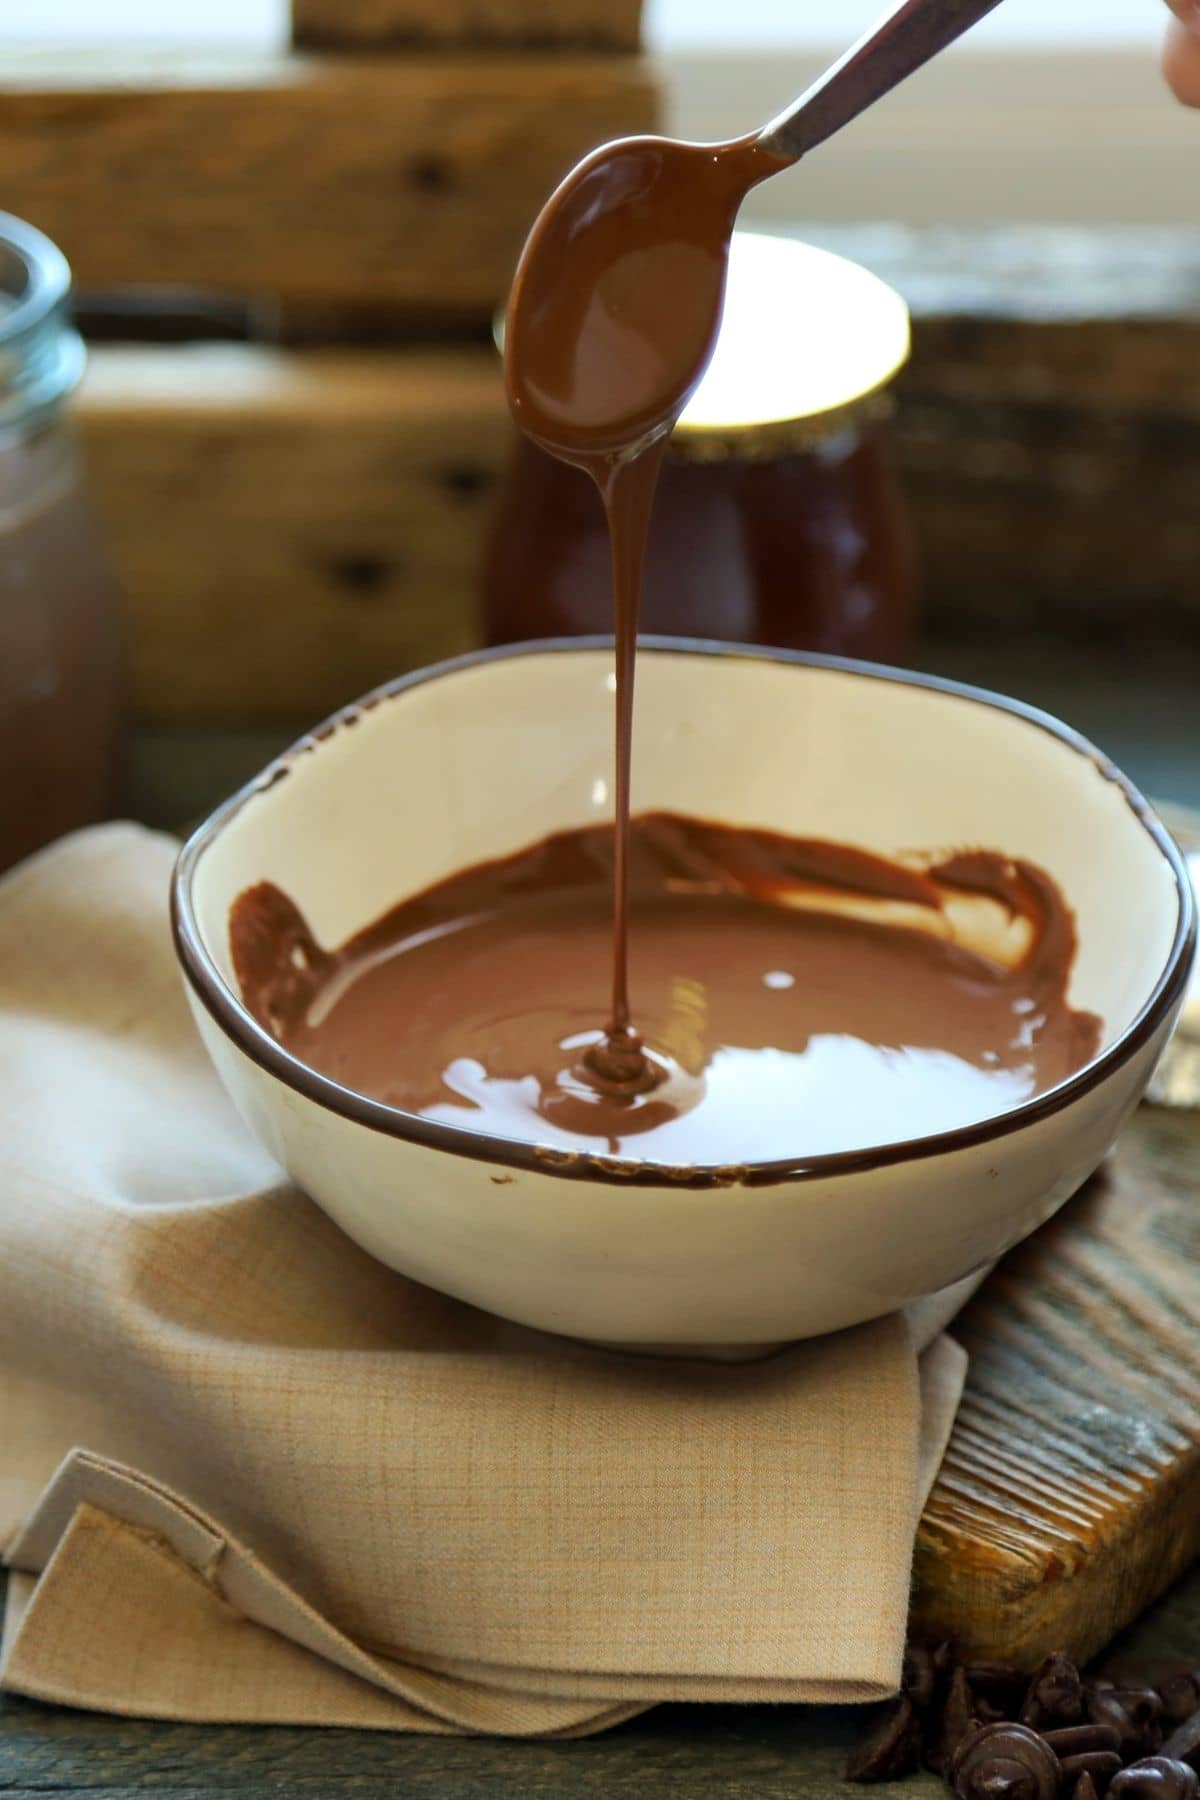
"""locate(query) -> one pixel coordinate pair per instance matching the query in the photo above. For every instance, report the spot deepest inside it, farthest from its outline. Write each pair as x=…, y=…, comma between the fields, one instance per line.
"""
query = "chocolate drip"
x=613, y=319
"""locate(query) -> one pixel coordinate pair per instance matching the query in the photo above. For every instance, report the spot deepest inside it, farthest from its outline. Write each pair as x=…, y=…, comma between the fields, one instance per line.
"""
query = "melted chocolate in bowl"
x=795, y=998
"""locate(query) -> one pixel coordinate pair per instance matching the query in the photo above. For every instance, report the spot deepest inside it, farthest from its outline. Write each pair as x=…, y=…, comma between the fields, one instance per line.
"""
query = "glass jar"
x=778, y=520
x=59, y=675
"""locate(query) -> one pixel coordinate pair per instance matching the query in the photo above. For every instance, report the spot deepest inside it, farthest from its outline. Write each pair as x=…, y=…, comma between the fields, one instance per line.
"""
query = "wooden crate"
x=397, y=183
x=291, y=528
x=528, y=24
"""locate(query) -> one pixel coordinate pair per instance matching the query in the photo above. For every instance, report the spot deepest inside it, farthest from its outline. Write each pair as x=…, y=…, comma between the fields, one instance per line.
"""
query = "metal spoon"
x=635, y=242
x=892, y=50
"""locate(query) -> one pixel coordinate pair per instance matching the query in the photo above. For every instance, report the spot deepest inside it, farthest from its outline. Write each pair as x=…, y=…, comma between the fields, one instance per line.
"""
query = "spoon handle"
x=892, y=50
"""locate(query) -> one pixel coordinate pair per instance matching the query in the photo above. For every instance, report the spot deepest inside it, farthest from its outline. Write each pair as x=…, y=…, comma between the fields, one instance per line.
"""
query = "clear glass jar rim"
x=47, y=278
x=41, y=354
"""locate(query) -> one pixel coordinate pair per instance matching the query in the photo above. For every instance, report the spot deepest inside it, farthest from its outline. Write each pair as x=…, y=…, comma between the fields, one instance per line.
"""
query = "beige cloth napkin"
x=246, y=1473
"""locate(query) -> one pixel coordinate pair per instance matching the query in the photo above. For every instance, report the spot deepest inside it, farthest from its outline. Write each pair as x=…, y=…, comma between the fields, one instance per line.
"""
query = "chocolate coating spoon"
x=617, y=298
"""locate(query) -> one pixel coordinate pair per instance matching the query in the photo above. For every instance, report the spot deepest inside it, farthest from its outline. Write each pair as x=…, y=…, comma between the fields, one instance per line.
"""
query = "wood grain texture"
x=1051, y=468
x=1070, y=1494
x=528, y=24
x=405, y=183
x=722, y=1753
x=291, y=529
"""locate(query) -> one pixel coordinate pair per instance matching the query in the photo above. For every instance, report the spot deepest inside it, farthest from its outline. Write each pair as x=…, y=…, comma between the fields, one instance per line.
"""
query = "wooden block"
x=1070, y=1495
x=1051, y=471
x=291, y=529
x=405, y=183
x=527, y=24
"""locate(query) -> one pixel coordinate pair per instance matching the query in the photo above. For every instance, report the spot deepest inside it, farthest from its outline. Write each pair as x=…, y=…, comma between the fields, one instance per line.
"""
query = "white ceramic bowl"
x=478, y=758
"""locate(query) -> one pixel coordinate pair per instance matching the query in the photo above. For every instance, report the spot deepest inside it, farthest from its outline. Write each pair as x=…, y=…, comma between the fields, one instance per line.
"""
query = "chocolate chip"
x=1098, y=1765
x=1055, y=1695
x=920, y=1678
x=1002, y=1685
x=1156, y=1778
x=1005, y=1760
x=1180, y=1695
x=958, y=1717
x=1134, y=1713
x=1090, y=1750
x=1079, y=1740
x=891, y=1748
x=1085, y=1788
x=1183, y=1745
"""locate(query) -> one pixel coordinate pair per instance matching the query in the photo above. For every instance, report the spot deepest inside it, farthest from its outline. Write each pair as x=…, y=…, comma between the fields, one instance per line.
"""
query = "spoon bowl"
x=605, y=362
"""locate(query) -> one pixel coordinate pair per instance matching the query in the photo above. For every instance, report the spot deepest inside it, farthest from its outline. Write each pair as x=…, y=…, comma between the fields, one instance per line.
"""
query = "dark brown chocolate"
x=1134, y=1713
x=1184, y=1742
x=1180, y=1695
x=1055, y=1697
x=1081, y=1740
x=924, y=1672
x=797, y=998
x=890, y=1750
x=960, y=1716
x=1008, y=1760
x=1156, y=1778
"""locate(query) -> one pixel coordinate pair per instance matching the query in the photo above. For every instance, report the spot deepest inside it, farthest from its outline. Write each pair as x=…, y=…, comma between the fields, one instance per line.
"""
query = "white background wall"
x=671, y=24
x=689, y=24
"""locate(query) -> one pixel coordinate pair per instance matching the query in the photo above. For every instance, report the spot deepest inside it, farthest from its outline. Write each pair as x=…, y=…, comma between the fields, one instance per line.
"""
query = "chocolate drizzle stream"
x=613, y=318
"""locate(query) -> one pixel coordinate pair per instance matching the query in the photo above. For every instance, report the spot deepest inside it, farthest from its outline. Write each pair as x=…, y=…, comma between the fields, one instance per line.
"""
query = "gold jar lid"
x=809, y=343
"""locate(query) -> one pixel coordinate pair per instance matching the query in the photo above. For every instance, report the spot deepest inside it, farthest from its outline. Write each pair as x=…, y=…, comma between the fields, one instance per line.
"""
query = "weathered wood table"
x=767, y=1753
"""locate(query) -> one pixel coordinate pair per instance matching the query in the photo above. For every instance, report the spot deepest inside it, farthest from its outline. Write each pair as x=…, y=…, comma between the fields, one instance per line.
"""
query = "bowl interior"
x=491, y=755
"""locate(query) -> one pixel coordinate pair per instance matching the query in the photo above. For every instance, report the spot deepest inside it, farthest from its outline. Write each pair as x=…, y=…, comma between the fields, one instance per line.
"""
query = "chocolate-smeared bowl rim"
x=227, y=1010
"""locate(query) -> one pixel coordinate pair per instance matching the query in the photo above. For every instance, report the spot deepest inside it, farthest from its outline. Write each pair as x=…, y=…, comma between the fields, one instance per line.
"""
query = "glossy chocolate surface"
x=796, y=998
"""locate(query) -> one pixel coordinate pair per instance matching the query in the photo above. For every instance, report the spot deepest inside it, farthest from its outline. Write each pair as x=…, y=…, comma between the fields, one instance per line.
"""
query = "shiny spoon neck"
x=892, y=50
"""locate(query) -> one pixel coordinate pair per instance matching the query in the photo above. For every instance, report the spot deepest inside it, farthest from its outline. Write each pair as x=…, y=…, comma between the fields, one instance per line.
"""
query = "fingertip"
x=1181, y=64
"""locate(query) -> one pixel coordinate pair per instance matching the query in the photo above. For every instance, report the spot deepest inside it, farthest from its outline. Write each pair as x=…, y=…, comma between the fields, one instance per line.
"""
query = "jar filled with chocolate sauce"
x=777, y=520
x=59, y=673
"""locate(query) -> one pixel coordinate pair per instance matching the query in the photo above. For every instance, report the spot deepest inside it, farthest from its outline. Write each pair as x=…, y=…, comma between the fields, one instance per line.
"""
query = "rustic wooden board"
x=1051, y=466
x=291, y=529
x=1070, y=1496
x=528, y=24
x=382, y=181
